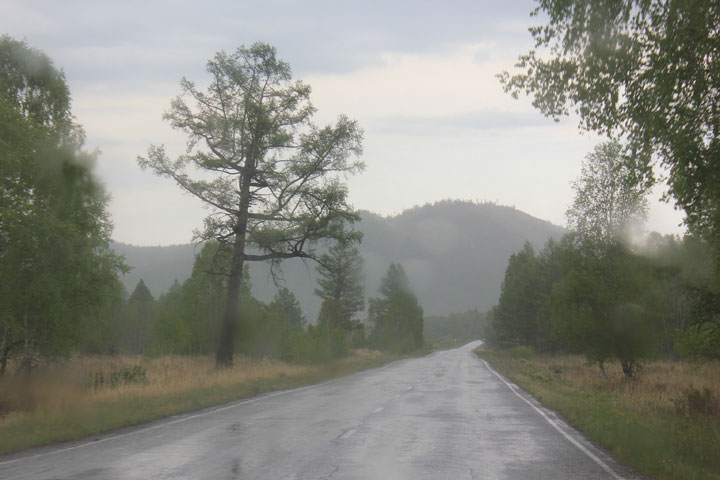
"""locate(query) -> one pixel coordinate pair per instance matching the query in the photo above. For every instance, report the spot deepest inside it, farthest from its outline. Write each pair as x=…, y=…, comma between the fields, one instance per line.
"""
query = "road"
x=444, y=416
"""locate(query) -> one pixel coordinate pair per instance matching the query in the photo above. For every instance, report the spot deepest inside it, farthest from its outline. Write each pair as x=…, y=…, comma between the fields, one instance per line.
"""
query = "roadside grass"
x=91, y=394
x=665, y=423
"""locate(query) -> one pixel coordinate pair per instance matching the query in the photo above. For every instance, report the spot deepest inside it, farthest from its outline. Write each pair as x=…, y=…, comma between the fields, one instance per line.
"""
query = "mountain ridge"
x=454, y=252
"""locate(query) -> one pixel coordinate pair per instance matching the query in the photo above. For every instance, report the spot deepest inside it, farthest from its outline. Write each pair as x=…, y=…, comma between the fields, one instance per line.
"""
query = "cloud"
x=459, y=124
x=418, y=75
x=315, y=36
x=450, y=82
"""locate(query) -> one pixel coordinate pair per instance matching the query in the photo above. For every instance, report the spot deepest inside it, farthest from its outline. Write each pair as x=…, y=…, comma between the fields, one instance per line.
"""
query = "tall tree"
x=287, y=307
x=139, y=316
x=598, y=304
x=608, y=201
x=340, y=285
x=55, y=262
x=516, y=320
x=644, y=70
x=271, y=176
x=397, y=317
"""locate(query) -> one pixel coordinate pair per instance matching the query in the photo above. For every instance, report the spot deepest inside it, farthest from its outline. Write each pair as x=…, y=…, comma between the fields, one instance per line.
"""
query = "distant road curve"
x=444, y=416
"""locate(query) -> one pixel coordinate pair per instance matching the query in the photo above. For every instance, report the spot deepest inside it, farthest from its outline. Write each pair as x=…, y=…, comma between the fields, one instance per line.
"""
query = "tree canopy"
x=608, y=203
x=647, y=71
x=55, y=262
x=272, y=178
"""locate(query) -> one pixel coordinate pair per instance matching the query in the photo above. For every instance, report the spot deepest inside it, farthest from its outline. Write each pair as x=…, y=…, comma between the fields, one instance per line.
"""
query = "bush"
x=695, y=402
x=339, y=343
x=358, y=338
x=115, y=378
x=699, y=341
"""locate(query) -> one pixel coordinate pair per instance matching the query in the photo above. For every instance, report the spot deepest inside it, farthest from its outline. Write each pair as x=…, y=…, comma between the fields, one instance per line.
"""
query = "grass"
x=88, y=395
x=665, y=423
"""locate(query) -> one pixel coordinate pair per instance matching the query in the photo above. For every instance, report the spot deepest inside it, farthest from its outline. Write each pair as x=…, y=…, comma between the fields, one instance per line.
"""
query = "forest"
x=599, y=292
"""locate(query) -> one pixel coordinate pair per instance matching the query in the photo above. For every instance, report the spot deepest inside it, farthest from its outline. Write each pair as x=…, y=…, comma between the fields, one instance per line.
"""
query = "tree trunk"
x=27, y=356
x=4, y=356
x=226, y=346
x=601, y=365
x=628, y=368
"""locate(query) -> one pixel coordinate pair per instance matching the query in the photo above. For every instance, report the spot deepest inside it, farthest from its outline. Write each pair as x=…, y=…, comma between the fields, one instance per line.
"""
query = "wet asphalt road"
x=445, y=416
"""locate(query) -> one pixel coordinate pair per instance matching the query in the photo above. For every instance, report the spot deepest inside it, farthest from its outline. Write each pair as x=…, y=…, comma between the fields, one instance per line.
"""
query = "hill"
x=455, y=254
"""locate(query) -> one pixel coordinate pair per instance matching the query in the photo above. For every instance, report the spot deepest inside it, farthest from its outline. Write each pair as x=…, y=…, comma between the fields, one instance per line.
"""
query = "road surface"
x=444, y=416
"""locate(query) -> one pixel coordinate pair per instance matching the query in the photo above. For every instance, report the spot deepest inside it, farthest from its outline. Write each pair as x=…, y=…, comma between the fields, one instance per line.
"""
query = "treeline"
x=456, y=328
x=596, y=292
x=655, y=300
x=186, y=320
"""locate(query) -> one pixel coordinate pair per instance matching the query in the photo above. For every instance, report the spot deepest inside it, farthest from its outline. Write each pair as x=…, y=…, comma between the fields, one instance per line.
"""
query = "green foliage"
x=701, y=340
x=340, y=285
x=397, y=317
x=644, y=70
x=316, y=344
x=612, y=302
x=521, y=351
x=104, y=330
x=588, y=293
x=358, y=338
x=287, y=307
x=188, y=316
x=139, y=315
x=600, y=308
x=56, y=267
x=517, y=319
x=608, y=200
x=31, y=86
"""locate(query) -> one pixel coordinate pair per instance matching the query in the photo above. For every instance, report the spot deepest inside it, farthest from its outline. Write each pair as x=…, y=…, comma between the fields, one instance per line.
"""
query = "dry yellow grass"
x=659, y=385
x=65, y=400
x=70, y=384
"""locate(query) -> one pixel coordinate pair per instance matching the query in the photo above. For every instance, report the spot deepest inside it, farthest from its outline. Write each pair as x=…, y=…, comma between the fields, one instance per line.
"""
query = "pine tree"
x=397, y=317
x=340, y=285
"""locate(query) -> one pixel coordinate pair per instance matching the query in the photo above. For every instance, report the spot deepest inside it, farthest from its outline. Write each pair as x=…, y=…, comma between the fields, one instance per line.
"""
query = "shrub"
x=114, y=378
x=696, y=402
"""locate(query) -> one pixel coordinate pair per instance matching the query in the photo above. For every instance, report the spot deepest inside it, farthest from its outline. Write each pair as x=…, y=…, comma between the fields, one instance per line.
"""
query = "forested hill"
x=455, y=254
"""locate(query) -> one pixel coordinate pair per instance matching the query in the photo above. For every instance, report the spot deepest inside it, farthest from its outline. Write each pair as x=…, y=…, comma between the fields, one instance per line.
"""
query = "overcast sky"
x=419, y=76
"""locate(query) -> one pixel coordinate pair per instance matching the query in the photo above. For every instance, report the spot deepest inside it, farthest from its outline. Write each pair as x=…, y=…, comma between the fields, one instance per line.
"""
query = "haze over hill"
x=454, y=252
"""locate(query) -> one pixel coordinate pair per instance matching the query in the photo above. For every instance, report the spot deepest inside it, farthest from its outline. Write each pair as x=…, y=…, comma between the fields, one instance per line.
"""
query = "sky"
x=419, y=77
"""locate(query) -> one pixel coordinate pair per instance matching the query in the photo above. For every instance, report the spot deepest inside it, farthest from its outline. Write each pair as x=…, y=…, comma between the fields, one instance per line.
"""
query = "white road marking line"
x=379, y=409
x=557, y=427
